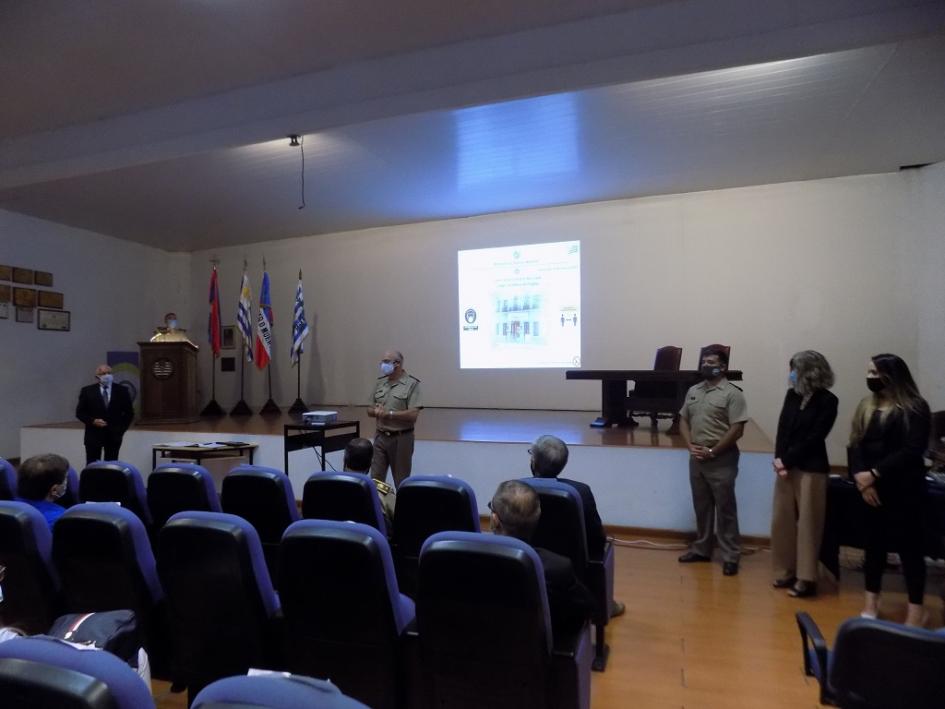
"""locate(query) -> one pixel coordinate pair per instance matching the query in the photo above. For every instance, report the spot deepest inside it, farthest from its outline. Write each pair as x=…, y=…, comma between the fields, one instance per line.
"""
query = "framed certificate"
x=50, y=299
x=23, y=275
x=58, y=320
x=24, y=297
x=6, y=273
x=43, y=278
x=24, y=314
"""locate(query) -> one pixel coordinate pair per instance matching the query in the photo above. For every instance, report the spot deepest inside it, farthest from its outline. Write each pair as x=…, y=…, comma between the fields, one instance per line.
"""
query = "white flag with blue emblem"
x=299, y=325
x=244, y=315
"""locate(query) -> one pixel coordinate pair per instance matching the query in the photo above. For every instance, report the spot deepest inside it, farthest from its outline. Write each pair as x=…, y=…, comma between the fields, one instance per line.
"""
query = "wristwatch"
x=711, y=453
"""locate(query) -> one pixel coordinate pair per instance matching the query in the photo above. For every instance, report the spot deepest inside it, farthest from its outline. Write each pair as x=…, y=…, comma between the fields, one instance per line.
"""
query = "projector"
x=320, y=417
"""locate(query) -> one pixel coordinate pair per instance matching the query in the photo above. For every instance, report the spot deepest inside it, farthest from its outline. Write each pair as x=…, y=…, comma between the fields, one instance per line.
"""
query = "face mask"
x=875, y=384
x=792, y=378
x=105, y=379
x=710, y=371
x=171, y=324
x=387, y=368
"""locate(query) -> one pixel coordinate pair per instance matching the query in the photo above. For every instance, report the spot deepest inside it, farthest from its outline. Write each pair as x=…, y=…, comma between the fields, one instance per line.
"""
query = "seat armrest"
x=812, y=637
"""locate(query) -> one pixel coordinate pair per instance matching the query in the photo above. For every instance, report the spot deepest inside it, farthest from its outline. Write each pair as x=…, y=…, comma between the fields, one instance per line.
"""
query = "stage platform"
x=640, y=476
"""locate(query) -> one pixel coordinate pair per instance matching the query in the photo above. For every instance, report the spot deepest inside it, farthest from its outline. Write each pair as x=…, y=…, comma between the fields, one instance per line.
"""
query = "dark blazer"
x=570, y=603
x=801, y=432
x=118, y=415
x=592, y=524
x=895, y=447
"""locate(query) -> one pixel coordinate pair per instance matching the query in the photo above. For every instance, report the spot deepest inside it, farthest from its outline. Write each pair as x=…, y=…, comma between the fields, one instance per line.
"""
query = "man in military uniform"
x=395, y=404
x=359, y=454
x=712, y=420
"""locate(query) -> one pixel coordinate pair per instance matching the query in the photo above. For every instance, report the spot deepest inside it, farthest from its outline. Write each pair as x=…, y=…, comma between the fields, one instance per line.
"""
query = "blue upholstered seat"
x=343, y=497
x=115, y=481
x=7, y=480
x=31, y=586
x=273, y=692
x=180, y=487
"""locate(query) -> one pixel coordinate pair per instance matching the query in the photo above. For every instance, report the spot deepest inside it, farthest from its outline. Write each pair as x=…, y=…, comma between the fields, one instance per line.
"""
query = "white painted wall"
x=836, y=265
x=117, y=292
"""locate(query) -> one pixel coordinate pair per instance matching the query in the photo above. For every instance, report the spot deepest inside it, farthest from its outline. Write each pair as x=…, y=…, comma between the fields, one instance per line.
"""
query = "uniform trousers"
x=713, y=497
x=797, y=524
x=394, y=451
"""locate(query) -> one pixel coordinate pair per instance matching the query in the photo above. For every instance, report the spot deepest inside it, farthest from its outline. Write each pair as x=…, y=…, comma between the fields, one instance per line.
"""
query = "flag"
x=214, y=327
x=299, y=326
x=263, y=350
x=244, y=316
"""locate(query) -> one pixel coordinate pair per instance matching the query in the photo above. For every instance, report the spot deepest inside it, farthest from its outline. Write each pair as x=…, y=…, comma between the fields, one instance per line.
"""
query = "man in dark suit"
x=516, y=510
x=105, y=409
x=549, y=455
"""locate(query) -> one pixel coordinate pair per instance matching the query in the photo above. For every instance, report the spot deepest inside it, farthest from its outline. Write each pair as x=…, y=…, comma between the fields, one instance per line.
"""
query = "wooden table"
x=197, y=452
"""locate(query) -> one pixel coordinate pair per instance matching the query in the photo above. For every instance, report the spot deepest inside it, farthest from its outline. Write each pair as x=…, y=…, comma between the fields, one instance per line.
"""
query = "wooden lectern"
x=168, y=382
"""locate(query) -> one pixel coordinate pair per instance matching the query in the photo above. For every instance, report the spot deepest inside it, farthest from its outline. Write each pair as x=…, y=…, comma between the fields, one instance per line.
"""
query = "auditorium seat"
x=71, y=496
x=485, y=631
x=115, y=481
x=667, y=359
x=561, y=530
x=7, y=480
x=427, y=504
x=30, y=585
x=223, y=613
x=875, y=663
x=180, y=487
x=344, y=615
x=343, y=497
x=273, y=692
x=40, y=673
x=264, y=498
x=104, y=560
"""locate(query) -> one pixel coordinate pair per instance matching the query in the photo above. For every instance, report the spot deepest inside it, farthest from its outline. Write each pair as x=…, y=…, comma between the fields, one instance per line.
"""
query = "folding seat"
x=71, y=496
x=42, y=672
x=222, y=610
x=427, y=504
x=273, y=692
x=180, y=487
x=30, y=584
x=875, y=663
x=264, y=498
x=7, y=480
x=343, y=497
x=485, y=631
x=561, y=530
x=105, y=562
x=344, y=615
x=115, y=481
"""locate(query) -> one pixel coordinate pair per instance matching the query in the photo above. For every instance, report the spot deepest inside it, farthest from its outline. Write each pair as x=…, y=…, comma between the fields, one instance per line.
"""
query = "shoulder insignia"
x=383, y=487
x=737, y=387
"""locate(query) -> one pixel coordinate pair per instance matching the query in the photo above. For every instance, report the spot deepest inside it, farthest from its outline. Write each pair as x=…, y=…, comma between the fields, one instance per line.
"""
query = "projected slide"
x=520, y=306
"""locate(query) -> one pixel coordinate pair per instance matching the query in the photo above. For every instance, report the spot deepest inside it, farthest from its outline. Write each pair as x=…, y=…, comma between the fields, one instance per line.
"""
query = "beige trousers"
x=797, y=524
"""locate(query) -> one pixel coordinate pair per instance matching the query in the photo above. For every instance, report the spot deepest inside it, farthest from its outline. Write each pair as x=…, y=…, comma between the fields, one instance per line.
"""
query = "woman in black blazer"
x=800, y=462
x=890, y=434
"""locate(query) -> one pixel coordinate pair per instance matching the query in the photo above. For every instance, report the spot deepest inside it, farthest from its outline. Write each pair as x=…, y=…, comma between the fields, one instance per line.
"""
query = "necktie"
x=105, y=394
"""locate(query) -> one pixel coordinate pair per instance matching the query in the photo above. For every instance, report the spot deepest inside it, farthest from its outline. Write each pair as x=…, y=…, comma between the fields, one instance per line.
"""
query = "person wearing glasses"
x=396, y=404
x=41, y=480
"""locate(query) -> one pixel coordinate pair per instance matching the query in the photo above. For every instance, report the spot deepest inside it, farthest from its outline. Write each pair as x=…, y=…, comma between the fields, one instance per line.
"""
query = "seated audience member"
x=549, y=455
x=516, y=510
x=358, y=456
x=41, y=480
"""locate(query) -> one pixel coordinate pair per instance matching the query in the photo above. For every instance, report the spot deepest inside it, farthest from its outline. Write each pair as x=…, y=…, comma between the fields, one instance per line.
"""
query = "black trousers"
x=896, y=526
x=94, y=449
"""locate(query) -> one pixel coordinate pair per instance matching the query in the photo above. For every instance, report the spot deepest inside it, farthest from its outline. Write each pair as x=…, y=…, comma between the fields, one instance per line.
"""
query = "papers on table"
x=191, y=444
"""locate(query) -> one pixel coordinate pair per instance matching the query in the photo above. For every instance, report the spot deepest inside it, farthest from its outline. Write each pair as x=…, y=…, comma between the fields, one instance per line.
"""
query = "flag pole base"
x=241, y=409
x=270, y=408
x=298, y=407
x=213, y=409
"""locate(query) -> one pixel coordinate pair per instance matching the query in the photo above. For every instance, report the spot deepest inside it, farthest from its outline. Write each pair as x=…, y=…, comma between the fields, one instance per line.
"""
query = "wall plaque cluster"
x=31, y=304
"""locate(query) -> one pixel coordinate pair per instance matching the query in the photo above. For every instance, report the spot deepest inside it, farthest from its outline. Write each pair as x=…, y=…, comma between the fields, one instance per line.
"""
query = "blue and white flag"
x=244, y=316
x=299, y=325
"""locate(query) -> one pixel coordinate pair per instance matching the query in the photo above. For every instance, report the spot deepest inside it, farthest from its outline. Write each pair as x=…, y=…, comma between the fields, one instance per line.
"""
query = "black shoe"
x=730, y=568
x=691, y=557
x=786, y=582
x=803, y=589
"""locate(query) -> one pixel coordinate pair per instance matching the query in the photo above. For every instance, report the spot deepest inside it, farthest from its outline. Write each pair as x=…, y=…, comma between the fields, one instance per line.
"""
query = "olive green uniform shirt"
x=710, y=411
x=400, y=395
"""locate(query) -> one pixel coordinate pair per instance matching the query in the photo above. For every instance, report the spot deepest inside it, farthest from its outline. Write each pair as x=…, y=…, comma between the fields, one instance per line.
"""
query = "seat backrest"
x=115, y=481
x=725, y=348
x=561, y=525
x=219, y=596
x=71, y=496
x=104, y=560
x=668, y=359
x=263, y=497
x=180, y=487
x=484, y=627
x=44, y=672
x=30, y=586
x=274, y=692
x=342, y=497
x=427, y=504
x=343, y=611
x=882, y=664
x=7, y=480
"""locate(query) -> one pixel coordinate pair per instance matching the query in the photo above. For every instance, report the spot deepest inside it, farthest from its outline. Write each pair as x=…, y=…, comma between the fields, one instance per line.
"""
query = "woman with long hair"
x=889, y=436
x=802, y=467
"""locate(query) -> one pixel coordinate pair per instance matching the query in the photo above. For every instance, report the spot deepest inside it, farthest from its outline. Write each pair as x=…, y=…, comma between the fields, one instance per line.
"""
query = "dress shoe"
x=785, y=582
x=730, y=568
x=617, y=608
x=803, y=589
x=691, y=557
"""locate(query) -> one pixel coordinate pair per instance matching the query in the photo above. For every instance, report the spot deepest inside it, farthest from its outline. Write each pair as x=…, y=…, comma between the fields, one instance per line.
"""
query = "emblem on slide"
x=470, y=316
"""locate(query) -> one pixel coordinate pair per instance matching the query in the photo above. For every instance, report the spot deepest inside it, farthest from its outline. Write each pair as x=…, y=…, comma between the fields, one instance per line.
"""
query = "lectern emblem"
x=162, y=369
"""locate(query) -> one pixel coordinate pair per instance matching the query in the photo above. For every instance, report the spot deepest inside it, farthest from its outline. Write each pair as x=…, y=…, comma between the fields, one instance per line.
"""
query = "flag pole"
x=213, y=408
x=298, y=407
x=270, y=408
x=242, y=408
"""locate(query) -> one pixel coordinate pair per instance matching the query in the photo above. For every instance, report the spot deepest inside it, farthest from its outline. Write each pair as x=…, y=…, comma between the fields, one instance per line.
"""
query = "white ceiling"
x=162, y=125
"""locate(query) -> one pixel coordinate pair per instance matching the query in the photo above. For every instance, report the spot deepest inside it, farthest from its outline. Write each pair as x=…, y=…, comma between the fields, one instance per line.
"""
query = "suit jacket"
x=569, y=601
x=801, y=432
x=592, y=524
x=118, y=415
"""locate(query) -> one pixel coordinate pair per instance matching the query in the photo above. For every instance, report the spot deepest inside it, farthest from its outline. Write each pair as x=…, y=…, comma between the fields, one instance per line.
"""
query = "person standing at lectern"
x=712, y=419
x=105, y=409
x=396, y=404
